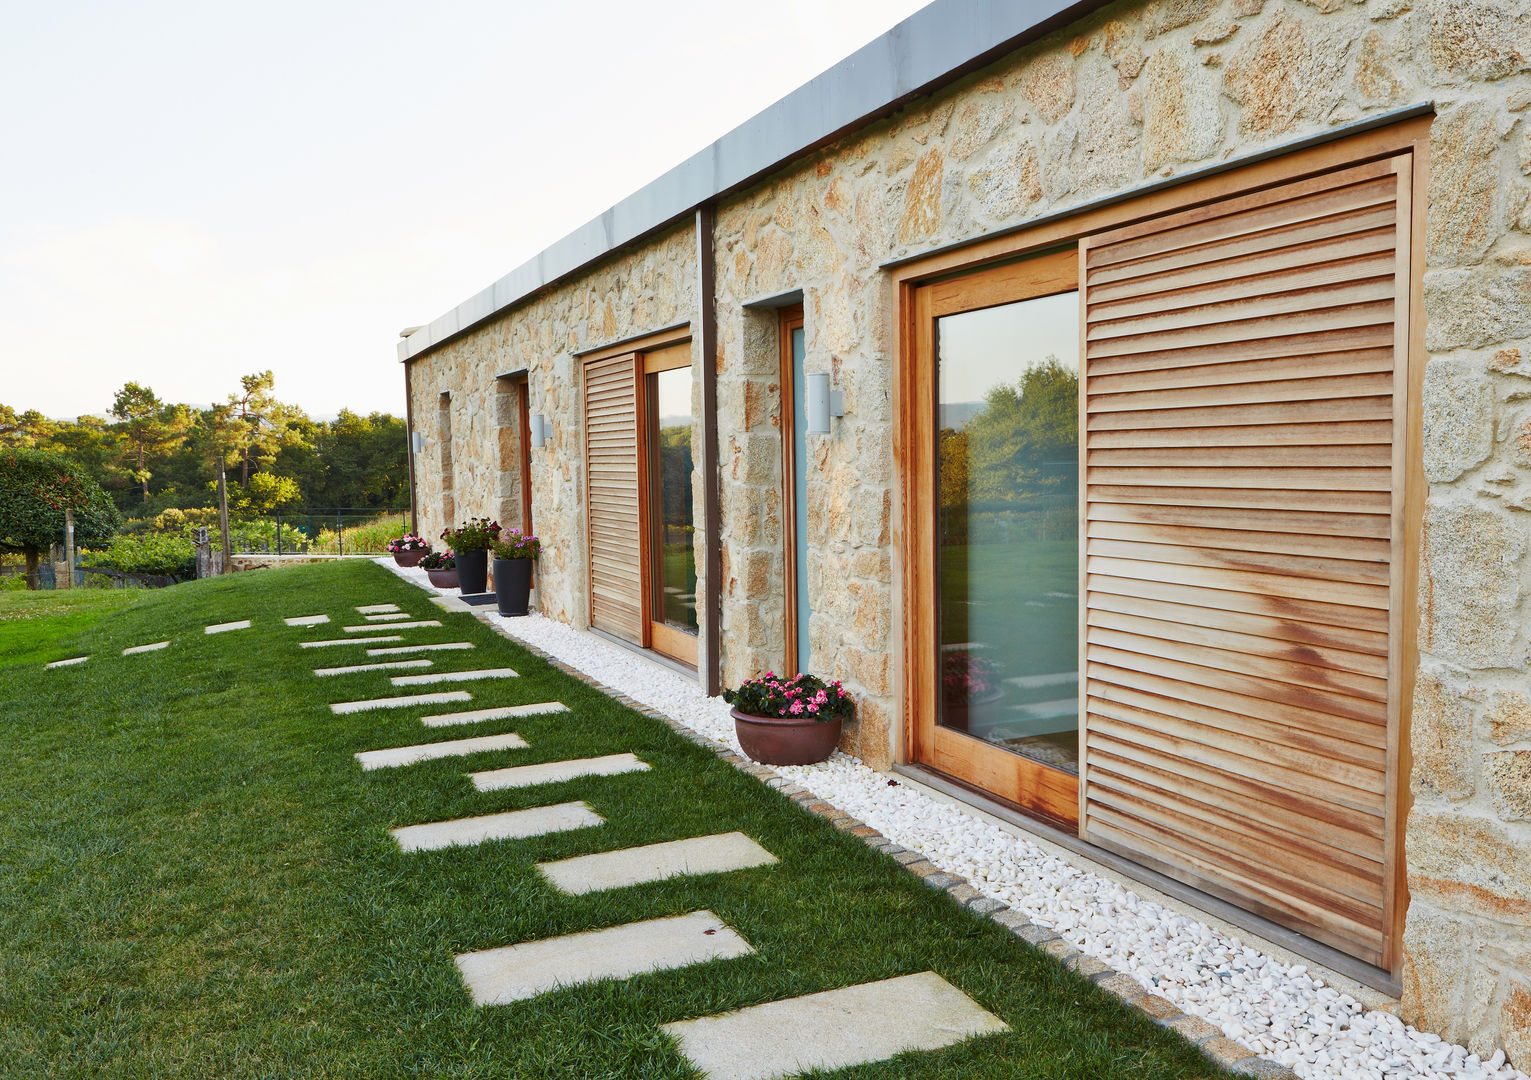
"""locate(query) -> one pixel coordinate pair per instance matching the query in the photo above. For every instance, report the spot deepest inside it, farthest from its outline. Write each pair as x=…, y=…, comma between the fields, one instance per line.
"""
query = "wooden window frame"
x=663, y=638
x=791, y=319
x=913, y=527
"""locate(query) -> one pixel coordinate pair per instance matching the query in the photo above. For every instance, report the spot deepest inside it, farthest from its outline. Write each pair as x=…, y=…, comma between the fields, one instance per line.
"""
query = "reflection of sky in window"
x=674, y=397
x=980, y=349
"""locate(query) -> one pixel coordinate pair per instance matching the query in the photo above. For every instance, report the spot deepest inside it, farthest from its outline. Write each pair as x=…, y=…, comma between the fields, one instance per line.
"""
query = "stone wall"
x=632, y=294
x=1133, y=94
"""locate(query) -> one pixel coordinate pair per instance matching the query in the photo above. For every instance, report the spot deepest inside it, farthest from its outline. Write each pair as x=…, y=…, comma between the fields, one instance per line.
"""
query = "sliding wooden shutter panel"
x=614, y=494
x=1246, y=376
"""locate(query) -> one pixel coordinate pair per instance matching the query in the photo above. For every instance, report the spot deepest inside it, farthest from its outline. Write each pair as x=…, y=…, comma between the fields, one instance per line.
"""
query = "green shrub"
x=150, y=553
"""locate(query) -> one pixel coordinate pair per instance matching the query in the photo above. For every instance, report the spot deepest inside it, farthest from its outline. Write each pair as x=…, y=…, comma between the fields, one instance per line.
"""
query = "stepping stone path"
x=307, y=620
x=833, y=1029
x=391, y=665
x=455, y=676
x=512, y=825
x=394, y=617
x=477, y=715
x=655, y=862
x=348, y=641
x=373, y=609
x=369, y=627
x=412, y=648
x=225, y=627
x=342, y=707
x=409, y=755
x=66, y=663
x=136, y=649
x=517, y=972
x=552, y=771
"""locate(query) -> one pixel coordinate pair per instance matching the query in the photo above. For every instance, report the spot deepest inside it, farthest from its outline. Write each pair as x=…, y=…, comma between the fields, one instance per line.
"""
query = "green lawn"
x=198, y=881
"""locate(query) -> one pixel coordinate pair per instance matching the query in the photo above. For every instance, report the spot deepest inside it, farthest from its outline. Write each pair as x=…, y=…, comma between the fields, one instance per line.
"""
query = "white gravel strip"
x=1278, y=1010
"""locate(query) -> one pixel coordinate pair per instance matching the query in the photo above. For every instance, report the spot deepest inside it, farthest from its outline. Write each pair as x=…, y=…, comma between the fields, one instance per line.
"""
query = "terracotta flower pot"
x=443, y=579
x=785, y=742
x=408, y=558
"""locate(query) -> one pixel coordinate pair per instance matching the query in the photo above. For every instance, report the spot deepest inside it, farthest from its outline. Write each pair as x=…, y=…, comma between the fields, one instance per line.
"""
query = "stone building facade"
x=1126, y=95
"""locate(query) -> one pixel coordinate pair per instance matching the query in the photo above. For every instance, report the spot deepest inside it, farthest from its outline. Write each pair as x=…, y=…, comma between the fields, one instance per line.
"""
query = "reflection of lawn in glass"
x=680, y=574
x=1019, y=601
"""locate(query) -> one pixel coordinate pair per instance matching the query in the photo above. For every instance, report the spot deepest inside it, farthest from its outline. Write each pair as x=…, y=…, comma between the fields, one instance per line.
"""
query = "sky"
x=192, y=192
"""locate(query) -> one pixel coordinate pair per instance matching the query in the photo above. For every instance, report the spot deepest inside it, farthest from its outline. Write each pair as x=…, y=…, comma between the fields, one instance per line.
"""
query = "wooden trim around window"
x=667, y=358
x=791, y=319
x=649, y=343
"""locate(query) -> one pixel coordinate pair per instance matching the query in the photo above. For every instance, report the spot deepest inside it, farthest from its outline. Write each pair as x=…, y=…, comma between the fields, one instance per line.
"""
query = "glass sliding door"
x=671, y=523
x=1001, y=584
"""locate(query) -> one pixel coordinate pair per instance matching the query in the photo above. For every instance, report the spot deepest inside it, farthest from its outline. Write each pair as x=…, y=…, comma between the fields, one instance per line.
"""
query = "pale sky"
x=192, y=192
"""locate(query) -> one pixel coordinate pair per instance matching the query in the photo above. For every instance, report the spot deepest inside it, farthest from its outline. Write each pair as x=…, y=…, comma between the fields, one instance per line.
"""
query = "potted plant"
x=408, y=550
x=793, y=721
x=470, y=541
x=514, y=553
x=966, y=680
x=441, y=568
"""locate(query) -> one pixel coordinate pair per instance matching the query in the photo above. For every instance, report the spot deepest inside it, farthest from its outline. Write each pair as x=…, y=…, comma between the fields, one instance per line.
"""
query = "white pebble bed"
x=1278, y=1010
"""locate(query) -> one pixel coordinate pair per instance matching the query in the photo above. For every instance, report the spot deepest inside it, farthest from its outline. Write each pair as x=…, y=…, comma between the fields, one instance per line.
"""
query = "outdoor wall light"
x=416, y=442
x=821, y=403
x=539, y=430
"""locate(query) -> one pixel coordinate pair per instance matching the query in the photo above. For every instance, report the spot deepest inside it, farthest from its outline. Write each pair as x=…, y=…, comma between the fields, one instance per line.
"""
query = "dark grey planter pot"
x=513, y=585
x=473, y=572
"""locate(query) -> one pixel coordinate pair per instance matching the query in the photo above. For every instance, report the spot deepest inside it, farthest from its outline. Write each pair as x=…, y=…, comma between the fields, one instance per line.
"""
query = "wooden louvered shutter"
x=1246, y=370
x=614, y=495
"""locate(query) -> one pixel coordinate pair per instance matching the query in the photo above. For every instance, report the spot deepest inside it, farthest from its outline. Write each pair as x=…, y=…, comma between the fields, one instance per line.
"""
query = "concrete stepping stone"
x=518, y=972
x=307, y=620
x=414, y=648
x=833, y=1029
x=369, y=627
x=348, y=641
x=155, y=647
x=400, y=702
x=66, y=663
x=477, y=715
x=225, y=627
x=390, y=665
x=391, y=617
x=511, y=825
x=655, y=862
x=373, y=609
x=552, y=771
x=455, y=676
x=409, y=755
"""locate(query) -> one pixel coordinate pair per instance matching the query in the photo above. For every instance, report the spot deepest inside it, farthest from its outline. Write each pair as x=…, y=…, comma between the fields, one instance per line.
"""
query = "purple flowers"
x=513, y=544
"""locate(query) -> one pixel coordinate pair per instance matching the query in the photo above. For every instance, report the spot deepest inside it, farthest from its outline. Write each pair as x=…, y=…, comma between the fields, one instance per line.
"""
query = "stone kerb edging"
x=1212, y=1042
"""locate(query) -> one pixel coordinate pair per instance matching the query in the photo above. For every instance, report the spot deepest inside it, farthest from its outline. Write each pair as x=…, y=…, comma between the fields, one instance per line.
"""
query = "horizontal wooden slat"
x=1215, y=791
x=1148, y=457
x=1293, y=633
x=1292, y=677
x=1251, y=519
x=1366, y=502
x=1176, y=682
x=1300, y=323
x=1329, y=388
x=1206, y=418
x=1298, y=610
x=1157, y=357
x=1350, y=234
x=1307, y=567
x=1277, y=369
x=1323, y=545
x=1253, y=314
x=1251, y=478
x=1168, y=628
x=1331, y=434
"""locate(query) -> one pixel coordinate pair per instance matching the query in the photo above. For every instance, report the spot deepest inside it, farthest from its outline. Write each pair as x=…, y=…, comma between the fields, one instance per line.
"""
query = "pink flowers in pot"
x=407, y=542
x=803, y=697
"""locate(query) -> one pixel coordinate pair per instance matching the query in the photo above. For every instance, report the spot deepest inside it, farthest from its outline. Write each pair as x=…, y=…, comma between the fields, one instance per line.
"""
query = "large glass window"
x=1007, y=526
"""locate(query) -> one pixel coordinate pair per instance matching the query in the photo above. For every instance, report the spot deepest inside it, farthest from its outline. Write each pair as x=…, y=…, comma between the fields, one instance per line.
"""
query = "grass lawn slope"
x=196, y=878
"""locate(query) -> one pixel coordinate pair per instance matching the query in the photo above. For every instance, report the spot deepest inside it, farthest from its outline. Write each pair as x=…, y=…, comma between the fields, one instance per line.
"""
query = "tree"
x=36, y=487
x=24, y=429
x=266, y=493
x=269, y=424
x=153, y=429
